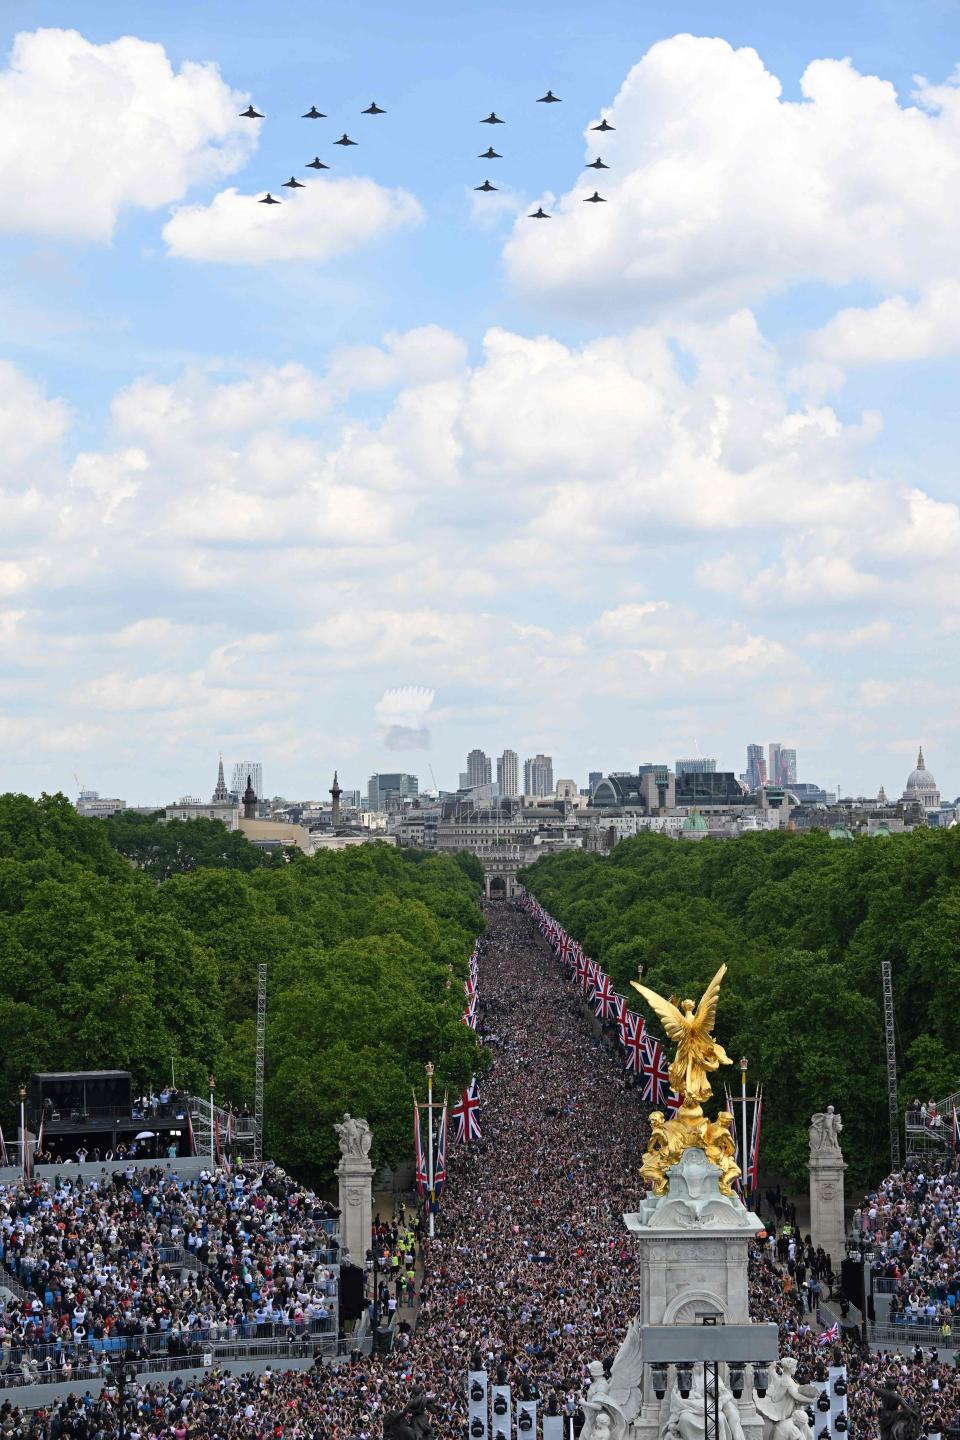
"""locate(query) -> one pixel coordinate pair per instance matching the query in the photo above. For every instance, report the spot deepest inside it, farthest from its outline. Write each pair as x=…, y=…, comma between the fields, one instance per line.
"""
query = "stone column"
x=355, y=1174
x=827, y=1227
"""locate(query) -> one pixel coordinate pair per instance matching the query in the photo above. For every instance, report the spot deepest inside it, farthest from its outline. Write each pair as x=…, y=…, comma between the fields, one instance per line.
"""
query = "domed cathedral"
x=921, y=788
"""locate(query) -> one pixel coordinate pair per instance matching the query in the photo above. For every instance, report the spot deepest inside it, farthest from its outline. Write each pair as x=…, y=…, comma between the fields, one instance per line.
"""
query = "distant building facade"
x=756, y=772
x=508, y=774
x=96, y=806
x=479, y=769
x=538, y=775
x=253, y=768
x=385, y=792
x=699, y=765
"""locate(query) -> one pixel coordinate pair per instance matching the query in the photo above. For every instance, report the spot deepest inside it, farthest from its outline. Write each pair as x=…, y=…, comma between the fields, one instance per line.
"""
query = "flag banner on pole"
x=466, y=1115
x=634, y=1042
x=440, y=1169
x=4, y=1158
x=420, y=1164
x=229, y=1141
x=753, y=1169
x=656, y=1073
x=956, y=1130
x=672, y=1104
x=738, y=1183
x=190, y=1137
x=604, y=998
x=216, y=1140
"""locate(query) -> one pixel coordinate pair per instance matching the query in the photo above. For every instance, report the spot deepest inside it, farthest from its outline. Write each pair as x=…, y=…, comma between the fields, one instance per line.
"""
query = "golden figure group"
x=698, y=1055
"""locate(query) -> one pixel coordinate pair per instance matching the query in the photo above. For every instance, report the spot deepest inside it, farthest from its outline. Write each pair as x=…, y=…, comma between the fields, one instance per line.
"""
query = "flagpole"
x=429, y=1069
x=23, y=1130
x=744, y=1158
x=213, y=1153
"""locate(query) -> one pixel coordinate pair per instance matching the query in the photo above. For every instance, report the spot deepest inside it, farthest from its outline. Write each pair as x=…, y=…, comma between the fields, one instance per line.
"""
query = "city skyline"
x=456, y=472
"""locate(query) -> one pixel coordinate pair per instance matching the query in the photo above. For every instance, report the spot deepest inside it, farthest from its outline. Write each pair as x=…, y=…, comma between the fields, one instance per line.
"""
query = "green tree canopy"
x=803, y=924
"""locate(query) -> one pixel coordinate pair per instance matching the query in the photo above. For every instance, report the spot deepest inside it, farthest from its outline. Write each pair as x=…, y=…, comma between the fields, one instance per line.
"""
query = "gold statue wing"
x=706, y=1016
x=670, y=1016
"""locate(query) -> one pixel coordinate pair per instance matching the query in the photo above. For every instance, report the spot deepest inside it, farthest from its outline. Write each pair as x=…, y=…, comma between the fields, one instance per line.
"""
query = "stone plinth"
x=693, y=1244
x=355, y=1175
x=827, y=1168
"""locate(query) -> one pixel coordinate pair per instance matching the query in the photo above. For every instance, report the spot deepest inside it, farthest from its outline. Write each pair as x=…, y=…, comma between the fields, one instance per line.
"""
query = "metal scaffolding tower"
x=261, y=1053
x=891, y=1064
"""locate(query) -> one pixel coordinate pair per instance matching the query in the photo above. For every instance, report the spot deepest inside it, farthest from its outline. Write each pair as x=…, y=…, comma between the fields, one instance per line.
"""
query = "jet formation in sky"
x=489, y=154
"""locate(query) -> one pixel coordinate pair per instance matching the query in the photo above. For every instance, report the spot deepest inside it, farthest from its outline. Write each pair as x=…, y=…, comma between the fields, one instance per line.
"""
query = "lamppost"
x=127, y=1376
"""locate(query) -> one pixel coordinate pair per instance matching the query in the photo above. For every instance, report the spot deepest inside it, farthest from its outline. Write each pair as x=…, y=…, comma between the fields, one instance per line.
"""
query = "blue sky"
x=678, y=473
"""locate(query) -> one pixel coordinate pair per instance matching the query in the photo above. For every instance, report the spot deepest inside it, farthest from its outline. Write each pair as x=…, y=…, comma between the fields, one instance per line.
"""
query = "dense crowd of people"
x=531, y=1264
x=89, y=1256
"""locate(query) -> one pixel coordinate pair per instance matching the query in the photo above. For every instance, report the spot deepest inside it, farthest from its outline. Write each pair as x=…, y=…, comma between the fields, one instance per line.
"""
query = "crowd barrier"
x=929, y=1337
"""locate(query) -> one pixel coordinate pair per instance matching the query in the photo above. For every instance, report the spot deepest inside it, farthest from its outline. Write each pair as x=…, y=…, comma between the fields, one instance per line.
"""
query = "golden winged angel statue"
x=697, y=1051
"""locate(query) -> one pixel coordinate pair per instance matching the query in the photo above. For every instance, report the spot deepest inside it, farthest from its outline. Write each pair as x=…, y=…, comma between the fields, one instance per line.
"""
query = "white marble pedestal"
x=693, y=1245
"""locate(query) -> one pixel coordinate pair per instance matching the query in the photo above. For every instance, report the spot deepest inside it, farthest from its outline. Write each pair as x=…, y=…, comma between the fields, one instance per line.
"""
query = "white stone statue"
x=825, y=1129
x=686, y=1418
x=355, y=1137
x=613, y=1403
x=783, y=1402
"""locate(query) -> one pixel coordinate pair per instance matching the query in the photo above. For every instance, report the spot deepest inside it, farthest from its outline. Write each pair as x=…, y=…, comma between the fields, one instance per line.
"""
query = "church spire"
x=220, y=795
x=920, y=764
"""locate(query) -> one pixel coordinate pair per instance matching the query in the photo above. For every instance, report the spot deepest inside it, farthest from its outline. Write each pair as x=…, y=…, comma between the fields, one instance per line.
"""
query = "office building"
x=479, y=769
x=538, y=775
x=755, y=775
x=98, y=807
x=254, y=769
x=593, y=780
x=782, y=765
x=386, y=792
x=699, y=765
x=508, y=774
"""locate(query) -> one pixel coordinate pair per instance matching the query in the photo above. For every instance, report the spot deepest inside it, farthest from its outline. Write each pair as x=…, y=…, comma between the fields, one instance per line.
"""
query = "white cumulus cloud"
x=719, y=191
x=87, y=131
x=326, y=218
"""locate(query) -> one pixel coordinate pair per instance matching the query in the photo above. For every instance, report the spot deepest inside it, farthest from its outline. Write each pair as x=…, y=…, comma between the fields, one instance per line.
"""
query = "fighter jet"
x=604, y=125
x=596, y=165
x=539, y=214
x=492, y=119
x=269, y=200
x=549, y=99
x=594, y=199
x=490, y=154
x=345, y=140
x=251, y=114
x=316, y=164
x=485, y=186
x=313, y=114
x=373, y=109
x=293, y=183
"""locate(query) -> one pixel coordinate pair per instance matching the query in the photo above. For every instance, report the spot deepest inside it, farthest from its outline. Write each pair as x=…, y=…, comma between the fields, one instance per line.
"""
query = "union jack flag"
x=673, y=1103
x=466, y=1115
x=656, y=1073
x=440, y=1170
x=420, y=1164
x=634, y=1042
x=753, y=1167
x=604, y=997
x=831, y=1336
x=738, y=1183
x=563, y=948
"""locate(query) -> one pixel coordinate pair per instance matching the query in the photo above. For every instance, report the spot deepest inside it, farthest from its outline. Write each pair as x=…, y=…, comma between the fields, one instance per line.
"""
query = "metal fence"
x=927, y=1336
x=87, y=1358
